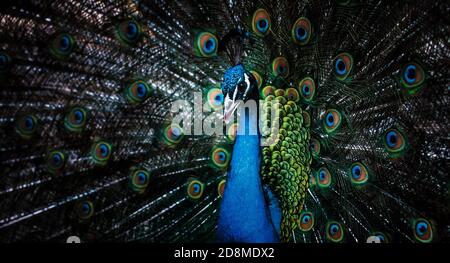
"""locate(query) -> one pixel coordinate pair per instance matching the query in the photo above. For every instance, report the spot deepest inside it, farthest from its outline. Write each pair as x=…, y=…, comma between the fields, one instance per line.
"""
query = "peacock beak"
x=230, y=107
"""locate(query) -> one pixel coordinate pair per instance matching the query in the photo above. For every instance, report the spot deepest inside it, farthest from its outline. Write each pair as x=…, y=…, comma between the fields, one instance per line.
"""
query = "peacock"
x=107, y=108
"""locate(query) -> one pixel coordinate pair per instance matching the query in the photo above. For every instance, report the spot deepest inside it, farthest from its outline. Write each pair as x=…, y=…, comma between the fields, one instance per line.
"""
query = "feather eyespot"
x=221, y=187
x=306, y=119
x=220, y=157
x=343, y=64
x=101, y=152
x=85, y=210
x=267, y=91
x=62, y=45
x=279, y=93
x=292, y=95
x=381, y=236
x=301, y=31
x=332, y=120
x=258, y=78
x=306, y=221
x=75, y=119
x=307, y=89
x=206, y=45
x=231, y=132
x=394, y=142
x=323, y=177
x=128, y=32
x=412, y=77
x=334, y=231
x=26, y=126
x=139, y=179
x=5, y=62
x=137, y=92
x=359, y=173
x=423, y=230
x=312, y=180
x=195, y=189
x=215, y=98
x=172, y=134
x=55, y=161
x=261, y=22
x=280, y=67
x=315, y=147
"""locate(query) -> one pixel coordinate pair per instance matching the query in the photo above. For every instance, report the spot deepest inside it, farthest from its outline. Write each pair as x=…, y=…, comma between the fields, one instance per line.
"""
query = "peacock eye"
x=29, y=123
x=139, y=179
x=279, y=93
x=220, y=157
x=26, y=126
x=258, y=78
x=231, y=133
x=62, y=45
x=221, y=187
x=206, y=44
x=412, y=76
x=55, y=161
x=301, y=31
x=195, y=189
x=172, y=135
x=137, y=92
x=394, y=142
x=292, y=95
x=359, y=173
x=334, y=232
x=267, y=91
x=128, y=32
x=209, y=45
x=312, y=180
x=132, y=29
x=280, y=67
x=261, y=22
x=85, y=210
x=315, y=147
x=175, y=132
x=343, y=64
x=423, y=230
x=215, y=98
x=307, y=88
x=306, y=221
x=75, y=119
x=306, y=119
x=101, y=152
x=78, y=116
x=332, y=120
x=381, y=236
x=323, y=177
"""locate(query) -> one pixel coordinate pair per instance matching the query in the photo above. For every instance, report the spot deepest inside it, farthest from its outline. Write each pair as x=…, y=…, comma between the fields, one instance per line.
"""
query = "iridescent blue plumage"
x=245, y=215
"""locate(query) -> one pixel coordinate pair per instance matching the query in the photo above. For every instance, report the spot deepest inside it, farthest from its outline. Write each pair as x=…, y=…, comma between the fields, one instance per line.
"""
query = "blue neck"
x=244, y=214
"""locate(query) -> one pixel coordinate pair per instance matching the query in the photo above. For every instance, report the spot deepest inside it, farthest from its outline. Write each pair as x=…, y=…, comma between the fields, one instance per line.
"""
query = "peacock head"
x=238, y=86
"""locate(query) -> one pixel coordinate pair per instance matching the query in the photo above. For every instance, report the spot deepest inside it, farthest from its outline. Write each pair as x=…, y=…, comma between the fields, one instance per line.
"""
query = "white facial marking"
x=247, y=83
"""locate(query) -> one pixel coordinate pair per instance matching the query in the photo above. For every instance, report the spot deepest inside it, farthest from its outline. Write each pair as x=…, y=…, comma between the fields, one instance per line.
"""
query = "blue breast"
x=245, y=215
